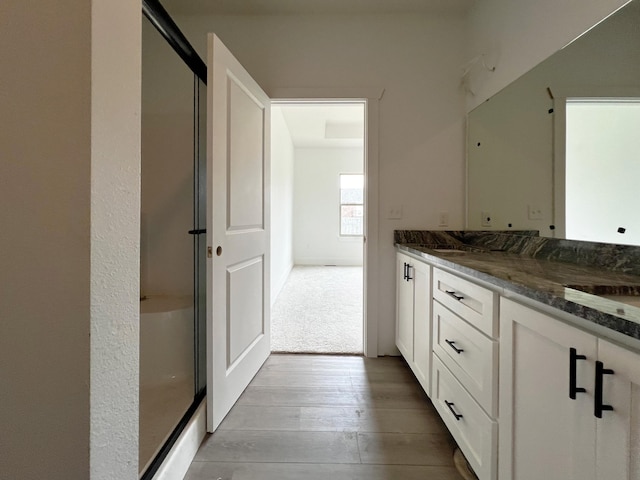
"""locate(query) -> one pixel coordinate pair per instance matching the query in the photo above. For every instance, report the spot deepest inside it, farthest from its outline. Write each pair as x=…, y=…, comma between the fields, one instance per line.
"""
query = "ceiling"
x=262, y=7
x=324, y=125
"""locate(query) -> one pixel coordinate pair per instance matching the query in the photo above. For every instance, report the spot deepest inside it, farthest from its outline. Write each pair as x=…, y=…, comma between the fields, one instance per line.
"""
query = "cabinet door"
x=543, y=433
x=618, y=431
x=404, y=306
x=422, y=324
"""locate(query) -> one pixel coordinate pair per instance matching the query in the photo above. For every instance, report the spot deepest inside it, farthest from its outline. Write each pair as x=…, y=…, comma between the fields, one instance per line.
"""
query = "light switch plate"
x=394, y=212
x=534, y=213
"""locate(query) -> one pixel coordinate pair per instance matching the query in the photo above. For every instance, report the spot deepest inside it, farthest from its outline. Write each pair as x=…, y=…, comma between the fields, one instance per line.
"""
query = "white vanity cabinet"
x=526, y=395
x=471, y=356
x=618, y=431
x=413, y=316
x=553, y=378
x=465, y=360
x=543, y=432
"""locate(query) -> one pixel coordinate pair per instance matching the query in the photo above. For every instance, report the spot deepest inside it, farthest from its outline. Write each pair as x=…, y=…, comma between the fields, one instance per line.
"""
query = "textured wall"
x=115, y=238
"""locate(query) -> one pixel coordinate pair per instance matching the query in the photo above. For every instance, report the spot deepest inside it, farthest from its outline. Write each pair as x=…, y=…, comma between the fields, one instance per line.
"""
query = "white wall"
x=69, y=187
x=167, y=169
x=416, y=59
x=516, y=35
x=115, y=238
x=282, y=168
x=316, y=213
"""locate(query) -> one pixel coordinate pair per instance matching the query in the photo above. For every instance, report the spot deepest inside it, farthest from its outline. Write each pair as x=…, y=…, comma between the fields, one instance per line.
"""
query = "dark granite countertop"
x=604, y=295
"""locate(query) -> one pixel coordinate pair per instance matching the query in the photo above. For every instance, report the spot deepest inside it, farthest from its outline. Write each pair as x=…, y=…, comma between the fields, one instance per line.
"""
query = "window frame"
x=340, y=205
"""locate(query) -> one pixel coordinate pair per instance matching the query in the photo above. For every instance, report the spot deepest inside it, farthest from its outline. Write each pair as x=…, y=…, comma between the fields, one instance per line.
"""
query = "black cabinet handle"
x=451, y=293
x=573, y=358
x=405, y=271
x=409, y=277
x=455, y=414
x=598, y=406
x=197, y=231
x=452, y=345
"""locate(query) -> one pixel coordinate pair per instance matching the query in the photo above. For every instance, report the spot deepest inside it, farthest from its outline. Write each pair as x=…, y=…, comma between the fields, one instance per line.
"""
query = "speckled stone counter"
x=599, y=283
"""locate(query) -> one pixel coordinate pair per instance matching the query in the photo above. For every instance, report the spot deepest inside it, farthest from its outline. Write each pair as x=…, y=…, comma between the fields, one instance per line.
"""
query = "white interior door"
x=238, y=134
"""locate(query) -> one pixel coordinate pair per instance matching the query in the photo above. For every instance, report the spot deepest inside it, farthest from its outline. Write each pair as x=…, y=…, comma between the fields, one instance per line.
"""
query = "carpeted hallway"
x=319, y=310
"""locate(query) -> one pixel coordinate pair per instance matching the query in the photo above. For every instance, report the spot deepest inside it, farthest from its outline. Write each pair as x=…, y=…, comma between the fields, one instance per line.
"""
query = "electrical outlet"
x=534, y=213
x=443, y=219
x=395, y=212
x=485, y=219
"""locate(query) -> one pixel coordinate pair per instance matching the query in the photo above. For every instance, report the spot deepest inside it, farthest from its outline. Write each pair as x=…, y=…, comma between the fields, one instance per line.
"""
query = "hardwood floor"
x=313, y=417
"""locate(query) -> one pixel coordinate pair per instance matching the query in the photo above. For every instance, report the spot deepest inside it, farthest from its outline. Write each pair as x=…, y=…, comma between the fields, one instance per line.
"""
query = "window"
x=351, y=205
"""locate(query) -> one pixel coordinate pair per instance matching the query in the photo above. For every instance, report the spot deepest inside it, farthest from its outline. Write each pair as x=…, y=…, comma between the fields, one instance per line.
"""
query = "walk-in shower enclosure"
x=172, y=237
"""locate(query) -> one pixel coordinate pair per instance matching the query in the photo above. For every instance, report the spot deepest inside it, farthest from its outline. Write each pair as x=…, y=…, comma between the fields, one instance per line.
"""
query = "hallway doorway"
x=318, y=211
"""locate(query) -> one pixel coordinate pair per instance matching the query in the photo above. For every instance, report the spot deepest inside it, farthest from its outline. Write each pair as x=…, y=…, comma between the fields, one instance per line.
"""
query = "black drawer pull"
x=573, y=358
x=455, y=414
x=405, y=271
x=409, y=267
x=598, y=406
x=451, y=293
x=451, y=343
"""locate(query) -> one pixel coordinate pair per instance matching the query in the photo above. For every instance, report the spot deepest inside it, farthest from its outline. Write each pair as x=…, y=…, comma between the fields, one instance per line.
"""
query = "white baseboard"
x=277, y=288
x=319, y=261
x=179, y=459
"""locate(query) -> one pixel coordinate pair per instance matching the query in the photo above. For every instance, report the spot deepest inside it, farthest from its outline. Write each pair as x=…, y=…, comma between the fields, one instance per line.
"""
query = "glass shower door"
x=167, y=375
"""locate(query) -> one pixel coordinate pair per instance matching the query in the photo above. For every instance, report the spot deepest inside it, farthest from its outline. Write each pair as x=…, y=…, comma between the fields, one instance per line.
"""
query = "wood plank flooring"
x=314, y=417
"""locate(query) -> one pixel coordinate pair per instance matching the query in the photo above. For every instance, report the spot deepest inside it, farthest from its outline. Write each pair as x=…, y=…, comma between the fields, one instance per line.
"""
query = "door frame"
x=371, y=98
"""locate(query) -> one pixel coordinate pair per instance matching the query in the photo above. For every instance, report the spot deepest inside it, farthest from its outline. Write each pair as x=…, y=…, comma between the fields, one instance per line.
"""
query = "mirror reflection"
x=558, y=150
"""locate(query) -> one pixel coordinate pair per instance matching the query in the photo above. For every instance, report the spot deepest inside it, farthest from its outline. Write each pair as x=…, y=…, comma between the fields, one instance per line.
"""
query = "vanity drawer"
x=475, y=433
x=475, y=304
x=469, y=354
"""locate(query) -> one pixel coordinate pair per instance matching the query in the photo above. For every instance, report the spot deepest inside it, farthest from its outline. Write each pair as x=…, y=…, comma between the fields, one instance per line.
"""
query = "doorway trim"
x=371, y=98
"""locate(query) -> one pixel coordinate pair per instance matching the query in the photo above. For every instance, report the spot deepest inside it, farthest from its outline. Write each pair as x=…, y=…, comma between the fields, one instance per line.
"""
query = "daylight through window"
x=351, y=204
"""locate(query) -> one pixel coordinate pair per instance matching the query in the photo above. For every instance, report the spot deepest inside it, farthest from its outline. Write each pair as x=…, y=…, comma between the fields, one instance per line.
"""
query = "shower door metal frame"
x=162, y=21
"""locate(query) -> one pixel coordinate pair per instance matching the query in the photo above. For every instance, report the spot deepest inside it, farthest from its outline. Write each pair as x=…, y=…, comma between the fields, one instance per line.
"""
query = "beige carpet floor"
x=319, y=310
